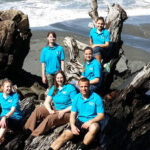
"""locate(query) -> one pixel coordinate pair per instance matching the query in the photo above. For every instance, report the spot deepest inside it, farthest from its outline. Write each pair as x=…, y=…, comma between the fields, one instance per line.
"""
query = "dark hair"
x=55, y=82
x=53, y=33
x=84, y=80
x=86, y=48
x=3, y=82
x=100, y=18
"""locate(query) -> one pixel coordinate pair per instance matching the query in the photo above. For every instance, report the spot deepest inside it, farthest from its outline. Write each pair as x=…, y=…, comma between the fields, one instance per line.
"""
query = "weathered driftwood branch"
x=74, y=66
x=94, y=13
x=138, y=80
x=114, y=22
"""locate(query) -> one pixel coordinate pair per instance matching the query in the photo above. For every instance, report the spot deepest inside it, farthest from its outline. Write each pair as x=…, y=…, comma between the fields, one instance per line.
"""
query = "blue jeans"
x=106, y=53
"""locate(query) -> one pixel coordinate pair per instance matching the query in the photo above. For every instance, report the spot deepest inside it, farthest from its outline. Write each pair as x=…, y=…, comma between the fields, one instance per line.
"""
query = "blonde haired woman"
x=10, y=116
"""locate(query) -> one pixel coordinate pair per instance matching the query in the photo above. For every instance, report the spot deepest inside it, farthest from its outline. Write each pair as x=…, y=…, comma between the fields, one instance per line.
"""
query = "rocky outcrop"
x=14, y=40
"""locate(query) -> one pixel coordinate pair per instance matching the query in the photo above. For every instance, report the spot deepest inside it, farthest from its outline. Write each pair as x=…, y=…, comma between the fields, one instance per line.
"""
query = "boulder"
x=14, y=40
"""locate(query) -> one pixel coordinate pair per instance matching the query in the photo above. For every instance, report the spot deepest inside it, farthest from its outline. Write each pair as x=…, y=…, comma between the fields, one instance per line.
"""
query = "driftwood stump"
x=114, y=23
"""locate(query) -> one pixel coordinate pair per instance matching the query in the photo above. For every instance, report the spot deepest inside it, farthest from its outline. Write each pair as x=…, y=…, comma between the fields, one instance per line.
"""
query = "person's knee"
x=94, y=128
x=37, y=110
x=66, y=135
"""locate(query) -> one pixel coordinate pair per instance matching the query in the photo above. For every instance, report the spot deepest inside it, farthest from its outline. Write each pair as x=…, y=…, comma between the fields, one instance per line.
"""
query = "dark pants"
x=12, y=124
x=106, y=53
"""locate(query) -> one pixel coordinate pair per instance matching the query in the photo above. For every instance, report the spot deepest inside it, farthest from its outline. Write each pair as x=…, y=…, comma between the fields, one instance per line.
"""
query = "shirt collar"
x=88, y=99
x=91, y=62
x=64, y=86
x=100, y=32
x=52, y=48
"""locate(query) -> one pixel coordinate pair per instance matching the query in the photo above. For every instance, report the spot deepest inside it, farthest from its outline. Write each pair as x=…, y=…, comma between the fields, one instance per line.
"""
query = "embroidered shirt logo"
x=64, y=92
x=10, y=100
x=91, y=68
x=91, y=103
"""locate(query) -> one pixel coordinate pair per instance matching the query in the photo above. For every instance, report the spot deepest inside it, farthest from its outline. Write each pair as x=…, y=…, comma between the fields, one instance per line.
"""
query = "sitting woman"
x=11, y=115
x=61, y=94
x=92, y=70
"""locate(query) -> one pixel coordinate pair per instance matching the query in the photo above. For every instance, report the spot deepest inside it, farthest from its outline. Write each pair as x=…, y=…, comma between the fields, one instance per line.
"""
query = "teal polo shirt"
x=89, y=108
x=63, y=98
x=93, y=69
x=99, y=38
x=52, y=58
x=12, y=100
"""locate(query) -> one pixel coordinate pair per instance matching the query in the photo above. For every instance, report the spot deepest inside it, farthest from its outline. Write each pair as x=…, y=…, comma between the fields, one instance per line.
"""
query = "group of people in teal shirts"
x=64, y=103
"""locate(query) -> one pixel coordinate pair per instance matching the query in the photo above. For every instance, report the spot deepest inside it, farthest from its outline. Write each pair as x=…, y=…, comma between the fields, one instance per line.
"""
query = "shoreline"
x=38, y=41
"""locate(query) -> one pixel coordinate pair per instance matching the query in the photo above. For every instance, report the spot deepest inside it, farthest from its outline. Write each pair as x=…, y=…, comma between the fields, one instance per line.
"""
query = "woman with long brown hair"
x=61, y=94
x=92, y=70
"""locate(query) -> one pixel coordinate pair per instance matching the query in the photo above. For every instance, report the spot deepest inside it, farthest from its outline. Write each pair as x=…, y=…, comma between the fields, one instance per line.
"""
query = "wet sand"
x=38, y=41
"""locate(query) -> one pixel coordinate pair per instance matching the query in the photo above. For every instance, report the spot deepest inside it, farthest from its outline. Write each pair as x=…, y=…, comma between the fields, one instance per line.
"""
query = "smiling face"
x=84, y=88
x=51, y=38
x=7, y=88
x=88, y=54
x=59, y=79
x=100, y=24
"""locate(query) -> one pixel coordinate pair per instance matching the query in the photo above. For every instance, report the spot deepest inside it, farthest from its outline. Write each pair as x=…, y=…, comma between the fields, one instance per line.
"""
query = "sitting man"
x=89, y=108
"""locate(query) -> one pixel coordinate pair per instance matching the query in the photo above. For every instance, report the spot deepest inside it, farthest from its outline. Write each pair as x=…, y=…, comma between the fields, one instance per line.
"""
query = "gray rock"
x=135, y=66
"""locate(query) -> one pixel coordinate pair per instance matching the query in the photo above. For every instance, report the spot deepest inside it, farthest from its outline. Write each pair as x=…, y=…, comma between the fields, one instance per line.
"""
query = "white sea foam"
x=47, y=12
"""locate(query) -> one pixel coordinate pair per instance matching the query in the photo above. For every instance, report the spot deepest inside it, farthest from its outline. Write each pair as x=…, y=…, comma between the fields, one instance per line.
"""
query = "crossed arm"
x=98, y=45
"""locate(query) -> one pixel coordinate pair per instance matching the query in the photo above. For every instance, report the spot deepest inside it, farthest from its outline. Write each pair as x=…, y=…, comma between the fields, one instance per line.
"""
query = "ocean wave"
x=47, y=12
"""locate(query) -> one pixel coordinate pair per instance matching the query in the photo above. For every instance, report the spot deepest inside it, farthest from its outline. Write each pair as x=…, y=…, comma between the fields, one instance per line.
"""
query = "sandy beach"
x=38, y=41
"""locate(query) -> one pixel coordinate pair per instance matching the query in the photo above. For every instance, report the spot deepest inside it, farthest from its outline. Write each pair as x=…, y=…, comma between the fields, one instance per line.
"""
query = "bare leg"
x=2, y=133
x=98, y=57
x=93, y=129
x=65, y=136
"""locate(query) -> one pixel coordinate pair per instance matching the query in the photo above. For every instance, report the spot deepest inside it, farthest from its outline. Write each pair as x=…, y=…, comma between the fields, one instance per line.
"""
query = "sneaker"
x=107, y=67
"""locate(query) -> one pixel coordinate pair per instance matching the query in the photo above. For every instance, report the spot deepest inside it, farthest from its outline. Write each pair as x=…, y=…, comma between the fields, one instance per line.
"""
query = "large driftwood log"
x=114, y=22
x=139, y=79
x=130, y=112
x=74, y=66
x=94, y=13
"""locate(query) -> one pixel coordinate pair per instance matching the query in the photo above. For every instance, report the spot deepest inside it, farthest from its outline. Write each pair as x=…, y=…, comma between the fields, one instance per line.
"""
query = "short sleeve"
x=15, y=100
x=74, y=104
x=107, y=36
x=42, y=58
x=83, y=74
x=50, y=93
x=90, y=35
x=73, y=91
x=1, y=97
x=97, y=69
x=99, y=104
x=62, y=54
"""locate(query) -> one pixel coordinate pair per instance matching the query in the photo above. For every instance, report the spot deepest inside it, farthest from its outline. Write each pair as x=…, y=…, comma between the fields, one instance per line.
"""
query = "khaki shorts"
x=50, y=80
